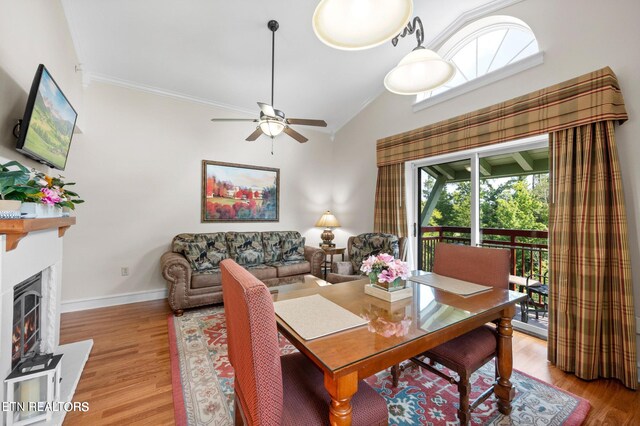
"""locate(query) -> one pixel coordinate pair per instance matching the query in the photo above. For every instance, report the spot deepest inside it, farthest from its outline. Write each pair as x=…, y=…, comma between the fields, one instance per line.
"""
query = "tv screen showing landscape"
x=49, y=120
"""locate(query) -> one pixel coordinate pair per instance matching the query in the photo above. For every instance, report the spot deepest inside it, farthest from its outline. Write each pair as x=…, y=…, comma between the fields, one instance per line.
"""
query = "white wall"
x=138, y=163
x=139, y=170
x=577, y=37
x=32, y=32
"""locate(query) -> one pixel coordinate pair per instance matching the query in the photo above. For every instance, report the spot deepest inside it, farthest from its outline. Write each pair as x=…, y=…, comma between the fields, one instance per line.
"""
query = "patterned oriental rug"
x=203, y=385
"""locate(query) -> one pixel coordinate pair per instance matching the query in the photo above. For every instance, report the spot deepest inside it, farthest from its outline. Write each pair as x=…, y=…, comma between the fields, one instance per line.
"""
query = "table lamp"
x=327, y=221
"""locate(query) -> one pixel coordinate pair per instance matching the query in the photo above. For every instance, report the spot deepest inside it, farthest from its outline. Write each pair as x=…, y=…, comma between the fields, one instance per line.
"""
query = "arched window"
x=483, y=47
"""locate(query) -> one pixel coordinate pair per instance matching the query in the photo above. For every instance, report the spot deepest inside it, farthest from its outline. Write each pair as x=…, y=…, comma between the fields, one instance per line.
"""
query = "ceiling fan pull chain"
x=272, y=138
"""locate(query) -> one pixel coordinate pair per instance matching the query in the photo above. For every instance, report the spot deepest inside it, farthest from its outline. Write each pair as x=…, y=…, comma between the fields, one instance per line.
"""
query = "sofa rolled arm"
x=315, y=256
x=177, y=271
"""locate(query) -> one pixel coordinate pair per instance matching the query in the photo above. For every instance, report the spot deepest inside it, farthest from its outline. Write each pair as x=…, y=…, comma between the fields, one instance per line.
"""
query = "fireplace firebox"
x=25, y=339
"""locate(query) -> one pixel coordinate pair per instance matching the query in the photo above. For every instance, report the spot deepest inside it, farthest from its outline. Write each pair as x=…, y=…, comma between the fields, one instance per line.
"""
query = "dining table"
x=396, y=331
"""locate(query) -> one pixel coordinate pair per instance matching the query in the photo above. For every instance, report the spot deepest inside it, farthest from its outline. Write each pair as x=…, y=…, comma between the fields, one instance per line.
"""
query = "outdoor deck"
x=529, y=252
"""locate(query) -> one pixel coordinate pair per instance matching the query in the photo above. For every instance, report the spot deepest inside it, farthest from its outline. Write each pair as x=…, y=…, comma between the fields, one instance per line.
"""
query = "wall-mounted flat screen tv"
x=48, y=123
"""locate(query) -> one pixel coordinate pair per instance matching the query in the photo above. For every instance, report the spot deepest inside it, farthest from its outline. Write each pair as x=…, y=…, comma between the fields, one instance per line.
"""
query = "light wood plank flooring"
x=127, y=379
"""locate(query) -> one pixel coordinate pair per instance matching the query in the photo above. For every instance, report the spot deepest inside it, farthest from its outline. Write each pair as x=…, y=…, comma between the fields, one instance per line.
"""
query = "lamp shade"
x=327, y=220
x=271, y=127
x=360, y=24
x=419, y=71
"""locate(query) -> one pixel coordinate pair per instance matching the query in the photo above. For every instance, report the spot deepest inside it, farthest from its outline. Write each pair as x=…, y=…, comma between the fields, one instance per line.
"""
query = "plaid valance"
x=586, y=99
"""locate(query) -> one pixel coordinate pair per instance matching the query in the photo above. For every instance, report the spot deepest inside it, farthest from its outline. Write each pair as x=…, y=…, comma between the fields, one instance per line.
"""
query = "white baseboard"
x=120, y=299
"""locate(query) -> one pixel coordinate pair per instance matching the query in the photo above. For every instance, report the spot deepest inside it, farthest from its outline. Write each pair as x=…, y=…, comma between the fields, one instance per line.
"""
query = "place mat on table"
x=451, y=285
x=315, y=316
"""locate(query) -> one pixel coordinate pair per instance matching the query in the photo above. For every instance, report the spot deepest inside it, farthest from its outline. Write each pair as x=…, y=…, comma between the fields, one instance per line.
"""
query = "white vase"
x=10, y=209
x=39, y=210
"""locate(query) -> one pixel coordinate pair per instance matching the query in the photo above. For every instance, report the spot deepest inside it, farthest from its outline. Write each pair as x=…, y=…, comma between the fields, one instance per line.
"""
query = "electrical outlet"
x=124, y=271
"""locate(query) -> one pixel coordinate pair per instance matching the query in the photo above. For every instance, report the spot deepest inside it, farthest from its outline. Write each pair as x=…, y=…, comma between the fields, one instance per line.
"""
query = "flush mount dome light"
x=419, y=71
x=360, y=24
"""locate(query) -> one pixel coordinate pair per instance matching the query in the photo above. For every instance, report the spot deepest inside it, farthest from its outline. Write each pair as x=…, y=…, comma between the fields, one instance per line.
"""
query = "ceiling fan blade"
x=253, y=136
x=297, y=136
x=235, y=119
x=307, y=122
x=267, y=109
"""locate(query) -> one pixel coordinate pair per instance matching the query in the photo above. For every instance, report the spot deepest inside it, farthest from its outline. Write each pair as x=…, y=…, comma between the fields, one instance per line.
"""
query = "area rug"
x=203, y=385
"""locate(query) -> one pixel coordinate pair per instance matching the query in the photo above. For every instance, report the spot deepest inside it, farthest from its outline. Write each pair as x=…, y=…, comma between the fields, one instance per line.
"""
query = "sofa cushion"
x=209, y=278
x=245, y=248
x=272, y=246
x=262, y=272
x=293, y=249
x=292, y=267
x=203, y=251
x=365, y=245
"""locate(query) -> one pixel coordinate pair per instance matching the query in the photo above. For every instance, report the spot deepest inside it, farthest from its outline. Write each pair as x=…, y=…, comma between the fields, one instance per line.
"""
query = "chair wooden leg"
x=464, y=388
x=395, y=375
x=237, y=414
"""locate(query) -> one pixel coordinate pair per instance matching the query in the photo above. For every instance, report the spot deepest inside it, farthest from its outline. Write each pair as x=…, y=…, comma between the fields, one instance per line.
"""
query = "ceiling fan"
x=271, y=121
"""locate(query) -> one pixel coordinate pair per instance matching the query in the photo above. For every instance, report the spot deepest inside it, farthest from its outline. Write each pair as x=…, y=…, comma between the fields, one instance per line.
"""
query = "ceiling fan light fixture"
x=419, y=71
x=360, y=24
x=271, y=127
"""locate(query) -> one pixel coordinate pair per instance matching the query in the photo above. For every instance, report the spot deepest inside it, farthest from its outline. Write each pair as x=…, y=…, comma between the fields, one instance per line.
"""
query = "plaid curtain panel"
x=592, y=97
x=592, y=324
x=389, y=213
x=591, y=315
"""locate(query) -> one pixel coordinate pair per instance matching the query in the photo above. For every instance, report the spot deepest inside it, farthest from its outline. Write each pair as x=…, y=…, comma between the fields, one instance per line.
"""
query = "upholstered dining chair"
x=273, y=390
x=467, y=353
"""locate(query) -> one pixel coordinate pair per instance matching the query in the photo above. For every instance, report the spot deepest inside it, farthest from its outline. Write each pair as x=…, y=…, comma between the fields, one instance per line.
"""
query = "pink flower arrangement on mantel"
x=385, y=267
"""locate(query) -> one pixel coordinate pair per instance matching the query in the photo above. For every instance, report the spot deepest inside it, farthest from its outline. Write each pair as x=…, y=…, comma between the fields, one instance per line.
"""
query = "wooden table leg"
x=341, y=390
x=503, y=389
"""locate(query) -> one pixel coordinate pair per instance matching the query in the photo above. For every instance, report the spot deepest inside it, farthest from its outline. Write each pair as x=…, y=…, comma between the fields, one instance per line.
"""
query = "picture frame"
x=239, y=193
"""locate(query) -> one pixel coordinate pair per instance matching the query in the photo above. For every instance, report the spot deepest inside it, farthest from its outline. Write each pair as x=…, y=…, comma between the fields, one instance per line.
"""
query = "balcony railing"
x=529, y=248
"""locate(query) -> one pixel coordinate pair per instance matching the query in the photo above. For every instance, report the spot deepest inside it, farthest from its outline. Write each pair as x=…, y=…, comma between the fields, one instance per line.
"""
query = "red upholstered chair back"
x=480, y=265
x=253, y=345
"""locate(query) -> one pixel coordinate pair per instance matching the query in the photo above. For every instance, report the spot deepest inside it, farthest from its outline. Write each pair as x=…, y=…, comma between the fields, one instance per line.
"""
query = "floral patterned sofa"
x=192, y=269
x=360, y=247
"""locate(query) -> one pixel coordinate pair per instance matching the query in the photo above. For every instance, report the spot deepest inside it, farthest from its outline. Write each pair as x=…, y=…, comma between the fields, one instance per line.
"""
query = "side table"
x=331, y=251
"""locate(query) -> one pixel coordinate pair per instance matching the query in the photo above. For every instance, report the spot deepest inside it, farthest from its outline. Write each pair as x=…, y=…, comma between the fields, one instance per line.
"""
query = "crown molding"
x=107, y=79
x=115, y=81
x=467, y=17
x=361, y=108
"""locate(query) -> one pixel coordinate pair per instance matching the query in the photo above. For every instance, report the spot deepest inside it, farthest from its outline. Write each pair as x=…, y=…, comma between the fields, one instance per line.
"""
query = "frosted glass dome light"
x=271, y=127
x=419, y=71
x=360, y=24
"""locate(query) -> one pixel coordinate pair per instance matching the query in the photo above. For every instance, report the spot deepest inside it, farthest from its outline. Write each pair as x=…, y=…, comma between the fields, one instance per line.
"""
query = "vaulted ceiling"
x=220, y=52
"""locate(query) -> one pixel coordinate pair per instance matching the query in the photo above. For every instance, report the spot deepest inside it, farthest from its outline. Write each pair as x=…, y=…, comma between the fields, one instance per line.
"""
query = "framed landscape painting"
x=239, y=193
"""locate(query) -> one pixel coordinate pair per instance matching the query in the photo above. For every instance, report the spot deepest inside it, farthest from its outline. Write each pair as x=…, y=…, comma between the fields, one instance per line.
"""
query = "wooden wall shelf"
x=17, y=229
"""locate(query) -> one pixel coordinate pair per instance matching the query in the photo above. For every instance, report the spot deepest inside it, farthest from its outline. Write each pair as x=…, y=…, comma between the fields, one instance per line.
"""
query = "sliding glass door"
x=493, y=198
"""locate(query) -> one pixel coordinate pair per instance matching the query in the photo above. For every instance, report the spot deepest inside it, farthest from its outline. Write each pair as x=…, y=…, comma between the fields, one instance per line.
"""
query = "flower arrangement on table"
x=385, y=271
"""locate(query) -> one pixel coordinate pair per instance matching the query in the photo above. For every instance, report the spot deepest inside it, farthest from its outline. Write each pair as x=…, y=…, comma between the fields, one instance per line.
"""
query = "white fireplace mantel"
x=37, y=250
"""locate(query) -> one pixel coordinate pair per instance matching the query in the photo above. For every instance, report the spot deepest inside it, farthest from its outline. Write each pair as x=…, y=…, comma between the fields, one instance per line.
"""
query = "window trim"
x=514, y=68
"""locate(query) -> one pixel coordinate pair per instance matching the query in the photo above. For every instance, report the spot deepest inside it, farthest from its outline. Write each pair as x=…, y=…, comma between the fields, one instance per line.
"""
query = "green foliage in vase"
x=14, y=178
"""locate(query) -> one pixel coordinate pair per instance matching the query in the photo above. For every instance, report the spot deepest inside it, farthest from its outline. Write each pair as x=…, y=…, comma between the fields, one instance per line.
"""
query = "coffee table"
x=297, y=283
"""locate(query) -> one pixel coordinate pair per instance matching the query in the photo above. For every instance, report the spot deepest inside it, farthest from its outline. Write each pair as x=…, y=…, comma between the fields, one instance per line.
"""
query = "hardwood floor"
x=127, y=379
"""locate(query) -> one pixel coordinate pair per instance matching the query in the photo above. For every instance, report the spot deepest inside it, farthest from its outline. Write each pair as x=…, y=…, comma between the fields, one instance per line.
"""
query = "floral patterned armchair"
x=360, y=247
